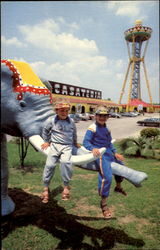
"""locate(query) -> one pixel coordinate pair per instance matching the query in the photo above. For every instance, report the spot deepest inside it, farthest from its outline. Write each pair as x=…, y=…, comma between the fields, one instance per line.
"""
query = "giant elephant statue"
x=26, y=103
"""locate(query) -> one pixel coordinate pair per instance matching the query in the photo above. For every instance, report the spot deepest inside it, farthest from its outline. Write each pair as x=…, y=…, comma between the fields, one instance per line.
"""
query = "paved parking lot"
x=120, y=127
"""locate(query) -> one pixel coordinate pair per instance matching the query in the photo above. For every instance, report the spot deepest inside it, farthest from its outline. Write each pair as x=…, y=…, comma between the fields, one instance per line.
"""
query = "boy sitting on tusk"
x=60, y=134
x=98, y=136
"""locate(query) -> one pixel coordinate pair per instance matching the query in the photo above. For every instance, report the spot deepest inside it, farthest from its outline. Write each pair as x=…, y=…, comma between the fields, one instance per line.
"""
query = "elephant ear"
x=46, y=83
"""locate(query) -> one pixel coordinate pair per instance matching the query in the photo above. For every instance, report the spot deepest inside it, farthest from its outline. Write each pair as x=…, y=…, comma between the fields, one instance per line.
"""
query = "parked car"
x=84, y=117
x=127, y=114
x=152, y=122
x=75, y=117
x=134, y=114
x=91, y=116
x=114, y=115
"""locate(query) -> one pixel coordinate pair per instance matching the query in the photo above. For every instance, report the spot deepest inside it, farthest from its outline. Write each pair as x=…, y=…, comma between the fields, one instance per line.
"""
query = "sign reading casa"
x=66, y=89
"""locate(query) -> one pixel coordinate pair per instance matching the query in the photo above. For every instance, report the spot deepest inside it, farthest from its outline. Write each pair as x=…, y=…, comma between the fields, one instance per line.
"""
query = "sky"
x=81, y=42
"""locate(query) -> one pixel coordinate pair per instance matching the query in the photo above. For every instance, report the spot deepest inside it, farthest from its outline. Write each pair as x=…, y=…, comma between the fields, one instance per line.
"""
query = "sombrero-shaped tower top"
x=138, y=32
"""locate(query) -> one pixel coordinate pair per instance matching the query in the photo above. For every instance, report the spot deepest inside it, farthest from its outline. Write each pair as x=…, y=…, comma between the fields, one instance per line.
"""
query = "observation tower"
x=135, y=37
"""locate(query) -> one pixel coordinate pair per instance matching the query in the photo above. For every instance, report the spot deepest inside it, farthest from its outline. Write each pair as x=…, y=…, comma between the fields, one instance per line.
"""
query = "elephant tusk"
x=37, y=141
x=82, y=157
x=85, y=156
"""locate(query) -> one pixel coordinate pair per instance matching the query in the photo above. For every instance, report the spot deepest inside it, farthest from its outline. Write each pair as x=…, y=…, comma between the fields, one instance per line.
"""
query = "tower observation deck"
x=135, y=37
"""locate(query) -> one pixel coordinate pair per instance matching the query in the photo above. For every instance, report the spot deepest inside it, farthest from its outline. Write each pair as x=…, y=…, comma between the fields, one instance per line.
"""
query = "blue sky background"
x=81, y=42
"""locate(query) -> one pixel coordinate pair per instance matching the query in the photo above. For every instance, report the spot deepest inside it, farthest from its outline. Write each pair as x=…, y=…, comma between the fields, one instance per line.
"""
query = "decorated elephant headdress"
x=25, y=80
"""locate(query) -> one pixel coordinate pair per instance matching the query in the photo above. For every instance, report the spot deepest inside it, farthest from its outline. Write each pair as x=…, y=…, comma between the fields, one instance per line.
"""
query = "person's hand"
x=45, y=145
x=96, y=152
x=119, y=157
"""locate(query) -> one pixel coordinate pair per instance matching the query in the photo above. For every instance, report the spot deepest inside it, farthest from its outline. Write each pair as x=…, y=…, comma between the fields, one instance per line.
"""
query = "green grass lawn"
x=78, y=223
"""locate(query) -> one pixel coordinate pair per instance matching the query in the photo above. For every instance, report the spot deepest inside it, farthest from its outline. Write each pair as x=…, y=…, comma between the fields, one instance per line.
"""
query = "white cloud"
x=81, y=69
x=12, y=42
x=47, y=36
x=70, y=26
x=95, y=72
x=131, y=9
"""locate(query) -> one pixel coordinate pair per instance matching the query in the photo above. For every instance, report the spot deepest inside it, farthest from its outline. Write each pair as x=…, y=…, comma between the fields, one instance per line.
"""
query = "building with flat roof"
x=84, y=100
x=81, y=99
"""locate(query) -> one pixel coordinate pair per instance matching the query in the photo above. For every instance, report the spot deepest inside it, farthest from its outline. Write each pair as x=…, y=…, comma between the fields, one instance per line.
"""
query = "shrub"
x=141, y=147
x=131, y=151
x=150, y=132
x=132, y=146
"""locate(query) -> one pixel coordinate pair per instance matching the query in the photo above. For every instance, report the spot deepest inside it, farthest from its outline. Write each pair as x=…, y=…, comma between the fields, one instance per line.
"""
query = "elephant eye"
x=22, y=104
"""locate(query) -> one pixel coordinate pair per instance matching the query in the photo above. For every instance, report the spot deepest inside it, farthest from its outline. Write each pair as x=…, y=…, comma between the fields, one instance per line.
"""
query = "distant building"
x=86, y=100
x=82, y=99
